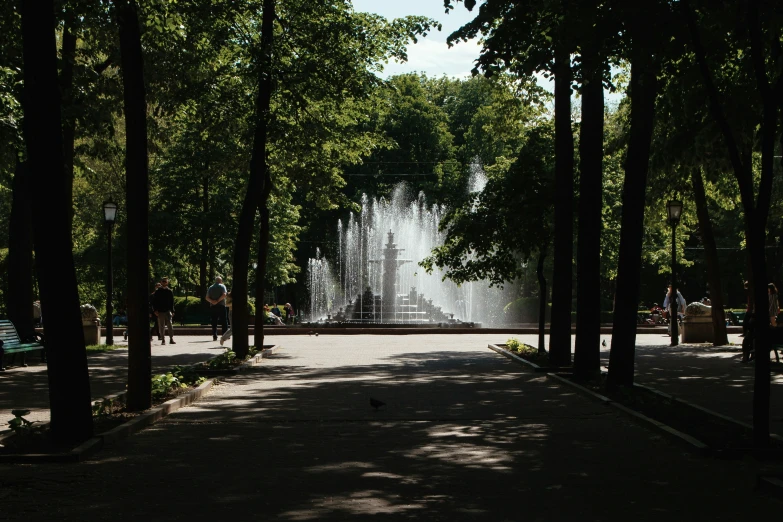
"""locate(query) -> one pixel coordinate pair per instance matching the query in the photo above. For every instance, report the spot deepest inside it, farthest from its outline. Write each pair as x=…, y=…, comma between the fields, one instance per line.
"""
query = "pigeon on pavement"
x=603, y=343
x=375, y=403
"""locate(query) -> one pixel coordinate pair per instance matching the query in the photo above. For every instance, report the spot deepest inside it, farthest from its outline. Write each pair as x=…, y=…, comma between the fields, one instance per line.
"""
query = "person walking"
x=230, y=305
x=680, y=306
x=216, y=297
x=163, y=305
x=774, y=305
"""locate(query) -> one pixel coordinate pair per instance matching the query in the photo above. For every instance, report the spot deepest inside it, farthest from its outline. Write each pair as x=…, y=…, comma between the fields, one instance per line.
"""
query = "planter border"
x=533, y=366
x=253, y=361
x=108, y=438
x=672, y=433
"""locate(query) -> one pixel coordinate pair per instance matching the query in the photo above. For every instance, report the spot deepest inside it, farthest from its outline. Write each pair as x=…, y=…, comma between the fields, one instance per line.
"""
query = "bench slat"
x=19, y=349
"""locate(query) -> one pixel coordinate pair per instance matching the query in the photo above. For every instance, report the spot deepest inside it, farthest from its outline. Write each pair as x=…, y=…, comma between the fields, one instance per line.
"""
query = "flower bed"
x=30, y=438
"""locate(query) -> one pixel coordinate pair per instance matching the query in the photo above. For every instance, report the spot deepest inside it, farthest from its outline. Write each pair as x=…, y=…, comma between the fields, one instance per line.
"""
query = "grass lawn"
x=100, y=348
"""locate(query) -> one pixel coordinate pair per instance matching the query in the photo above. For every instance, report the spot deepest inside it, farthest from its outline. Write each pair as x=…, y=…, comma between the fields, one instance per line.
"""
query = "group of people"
x=275, y=316
x=161, y=309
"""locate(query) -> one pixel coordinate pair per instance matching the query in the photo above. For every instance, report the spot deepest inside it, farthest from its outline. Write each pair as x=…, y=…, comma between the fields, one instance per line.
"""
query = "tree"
x=755, y=39
x=518, y=196
x=644, y=53
x=135, y=109
x=527, y=37
x=592, y=69
x=69, y=383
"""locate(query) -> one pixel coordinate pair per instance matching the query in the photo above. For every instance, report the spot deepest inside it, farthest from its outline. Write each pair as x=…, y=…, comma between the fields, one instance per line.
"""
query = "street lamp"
x=674, y=210
x=109, y=217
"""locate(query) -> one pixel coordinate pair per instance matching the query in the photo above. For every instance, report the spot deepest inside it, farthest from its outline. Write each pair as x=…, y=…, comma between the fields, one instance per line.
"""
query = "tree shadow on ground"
x=463, y=436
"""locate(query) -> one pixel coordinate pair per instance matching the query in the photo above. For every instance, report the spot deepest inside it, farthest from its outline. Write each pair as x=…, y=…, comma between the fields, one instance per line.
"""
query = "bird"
x=316, y=334
x=603, y=343
x=375, y=403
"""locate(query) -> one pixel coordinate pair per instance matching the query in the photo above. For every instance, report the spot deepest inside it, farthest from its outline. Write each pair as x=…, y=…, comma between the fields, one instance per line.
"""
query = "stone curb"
x=253, y=361
x=533, y=366
x=676, y=435
x=770, y=485
x=107, y=439
x=690, y=442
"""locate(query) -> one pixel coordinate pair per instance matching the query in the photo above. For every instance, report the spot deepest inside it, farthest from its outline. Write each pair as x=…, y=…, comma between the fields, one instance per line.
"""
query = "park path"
x=465, y=435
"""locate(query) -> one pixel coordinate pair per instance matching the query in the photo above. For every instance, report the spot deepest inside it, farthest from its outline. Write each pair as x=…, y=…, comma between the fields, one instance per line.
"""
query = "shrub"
x=195, y=307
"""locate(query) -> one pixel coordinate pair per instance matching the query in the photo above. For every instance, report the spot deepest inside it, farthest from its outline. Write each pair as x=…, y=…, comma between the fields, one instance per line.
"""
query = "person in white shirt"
x=680, y=304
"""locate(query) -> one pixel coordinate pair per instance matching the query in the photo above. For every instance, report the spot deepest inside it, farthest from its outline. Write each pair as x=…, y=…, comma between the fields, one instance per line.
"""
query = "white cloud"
x=435, y=58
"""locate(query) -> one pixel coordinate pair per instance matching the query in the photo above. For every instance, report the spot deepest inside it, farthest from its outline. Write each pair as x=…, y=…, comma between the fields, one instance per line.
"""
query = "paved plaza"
x=465, y=435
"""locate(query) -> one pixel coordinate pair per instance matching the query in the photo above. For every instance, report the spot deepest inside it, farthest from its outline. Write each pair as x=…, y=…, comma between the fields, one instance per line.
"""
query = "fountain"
x=370, y=283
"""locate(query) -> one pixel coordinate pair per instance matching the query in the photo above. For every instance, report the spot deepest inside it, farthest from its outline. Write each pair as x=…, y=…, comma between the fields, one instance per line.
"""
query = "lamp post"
x=109, y=217
x=674, y=210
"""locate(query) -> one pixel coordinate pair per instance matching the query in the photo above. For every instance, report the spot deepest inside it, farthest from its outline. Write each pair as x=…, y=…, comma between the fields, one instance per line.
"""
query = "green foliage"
x=513, y=344
x=164, y=384
x=103, y=407
x=528, y=352
x=518, y=196
x=223, y=361
x=101, y=348
x=180, y=377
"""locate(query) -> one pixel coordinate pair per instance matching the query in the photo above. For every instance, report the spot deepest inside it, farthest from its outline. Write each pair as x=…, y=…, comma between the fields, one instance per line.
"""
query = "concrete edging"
x=517, y=359
x=108, y=438
x=674, y=434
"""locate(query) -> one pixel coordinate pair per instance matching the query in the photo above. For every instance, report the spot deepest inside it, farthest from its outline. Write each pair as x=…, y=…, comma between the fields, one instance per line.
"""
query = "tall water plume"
x=414, y=224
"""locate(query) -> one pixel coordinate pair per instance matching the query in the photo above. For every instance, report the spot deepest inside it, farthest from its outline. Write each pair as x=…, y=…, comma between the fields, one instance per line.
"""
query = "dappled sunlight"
x=364, y=502
x=465, y=454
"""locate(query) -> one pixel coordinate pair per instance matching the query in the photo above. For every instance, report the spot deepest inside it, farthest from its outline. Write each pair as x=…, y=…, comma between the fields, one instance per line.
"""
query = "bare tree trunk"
x=137, y=197
x=541, y=300
x=203, y=275
x=263, y=249
x=69, y=118
x=19, y=298
x=254, y=198
x=587, y=352
x=560, y=323
x=643, y=91
x=711, y=258
x=69, y=381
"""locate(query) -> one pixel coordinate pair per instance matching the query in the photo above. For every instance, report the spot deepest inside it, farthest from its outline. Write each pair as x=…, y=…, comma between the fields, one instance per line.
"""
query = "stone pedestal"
x=92, y=331
x=697, y=325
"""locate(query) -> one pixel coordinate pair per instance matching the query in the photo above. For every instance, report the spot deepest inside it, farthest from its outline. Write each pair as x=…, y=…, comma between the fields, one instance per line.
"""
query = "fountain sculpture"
x=370, y=283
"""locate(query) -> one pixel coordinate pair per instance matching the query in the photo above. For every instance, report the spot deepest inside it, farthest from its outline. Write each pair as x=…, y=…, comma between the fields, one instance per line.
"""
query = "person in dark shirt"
x=163, y=305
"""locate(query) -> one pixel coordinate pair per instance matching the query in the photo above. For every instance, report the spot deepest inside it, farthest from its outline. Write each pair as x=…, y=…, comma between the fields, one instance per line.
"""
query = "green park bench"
x=11, y=343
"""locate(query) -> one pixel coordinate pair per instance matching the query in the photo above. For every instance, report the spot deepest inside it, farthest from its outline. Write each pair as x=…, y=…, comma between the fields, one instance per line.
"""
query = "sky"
x=431, y=55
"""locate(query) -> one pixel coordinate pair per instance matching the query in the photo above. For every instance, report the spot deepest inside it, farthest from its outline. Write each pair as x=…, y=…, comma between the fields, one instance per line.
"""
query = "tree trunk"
x=259, y=172
x=643, y=91
x=541, y=300
x=203, y=275
x=137, y=197
x=263, y=250
x=19, y=298
x=69, y=381
x=560, y=322
x=711, y=258
x=587, y=352
x=69, y=118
